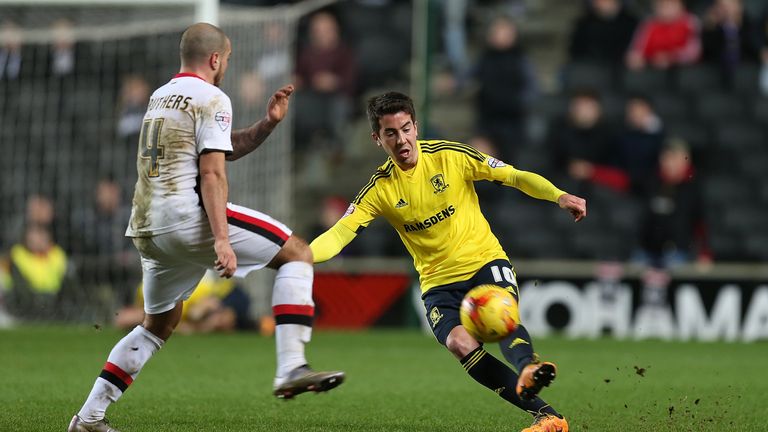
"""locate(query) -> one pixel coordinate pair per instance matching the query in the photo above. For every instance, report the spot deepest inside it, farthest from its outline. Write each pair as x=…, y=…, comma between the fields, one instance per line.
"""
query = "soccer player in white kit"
x=182, y=224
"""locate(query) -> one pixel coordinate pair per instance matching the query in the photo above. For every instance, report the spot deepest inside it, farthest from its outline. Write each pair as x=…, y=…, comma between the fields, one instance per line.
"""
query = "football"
x=489, y=313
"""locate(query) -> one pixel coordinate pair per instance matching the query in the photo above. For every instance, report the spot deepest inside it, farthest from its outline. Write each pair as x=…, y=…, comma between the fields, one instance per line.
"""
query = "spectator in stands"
x=641, y=140
x=673, y=231
x=63, y=53
x=602, y=33
x=584, y=143
x=729, y=36
x=39, y=276
x=106, y=259
x=131, y=106
x=275, y=62
x=507, y=87
x=326, y=80
x=39, y=211
x=11, y=56
x=668, y=38
x=455, y=17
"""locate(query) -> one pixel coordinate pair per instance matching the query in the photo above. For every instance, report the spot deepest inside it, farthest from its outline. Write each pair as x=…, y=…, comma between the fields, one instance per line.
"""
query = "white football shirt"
x=185, y=118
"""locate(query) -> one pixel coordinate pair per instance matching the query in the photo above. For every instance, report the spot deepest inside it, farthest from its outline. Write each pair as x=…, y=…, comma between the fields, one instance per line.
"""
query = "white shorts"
x=174, y=262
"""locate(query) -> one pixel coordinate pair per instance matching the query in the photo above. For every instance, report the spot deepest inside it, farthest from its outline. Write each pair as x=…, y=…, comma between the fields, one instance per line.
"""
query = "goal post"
x=205, y=10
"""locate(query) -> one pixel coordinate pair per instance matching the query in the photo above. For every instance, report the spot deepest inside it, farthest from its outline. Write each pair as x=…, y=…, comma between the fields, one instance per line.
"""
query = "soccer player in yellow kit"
x=425, y=191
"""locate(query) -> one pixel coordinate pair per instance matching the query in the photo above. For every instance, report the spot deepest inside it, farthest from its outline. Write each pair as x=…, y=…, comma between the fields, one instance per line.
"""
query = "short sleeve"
x=214, y=126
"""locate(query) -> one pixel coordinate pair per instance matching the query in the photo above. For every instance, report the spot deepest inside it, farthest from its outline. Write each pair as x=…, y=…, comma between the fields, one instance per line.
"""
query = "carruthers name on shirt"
x=430, y=221
x=179, y=102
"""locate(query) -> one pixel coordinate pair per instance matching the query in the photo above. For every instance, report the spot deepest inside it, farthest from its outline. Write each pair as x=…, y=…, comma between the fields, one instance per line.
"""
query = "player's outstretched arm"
x=214, y=190
x=249, y=139
x=575, y=205
x=328, y=244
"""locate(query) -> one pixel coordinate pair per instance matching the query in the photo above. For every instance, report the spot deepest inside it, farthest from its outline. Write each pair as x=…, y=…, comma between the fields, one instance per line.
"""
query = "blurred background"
x=654, y=111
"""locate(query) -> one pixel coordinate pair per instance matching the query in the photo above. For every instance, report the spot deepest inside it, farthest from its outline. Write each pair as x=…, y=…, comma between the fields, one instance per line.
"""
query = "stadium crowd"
x=658, y=119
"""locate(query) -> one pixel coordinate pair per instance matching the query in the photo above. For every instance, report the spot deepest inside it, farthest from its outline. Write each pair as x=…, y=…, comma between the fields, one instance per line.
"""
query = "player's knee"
x=460, y=343
x=298, y=250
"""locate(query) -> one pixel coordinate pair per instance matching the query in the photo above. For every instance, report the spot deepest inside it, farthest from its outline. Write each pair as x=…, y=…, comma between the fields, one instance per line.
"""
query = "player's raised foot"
x=79, y=425
x=534, y=377
x=548, y=423
x=304, y=379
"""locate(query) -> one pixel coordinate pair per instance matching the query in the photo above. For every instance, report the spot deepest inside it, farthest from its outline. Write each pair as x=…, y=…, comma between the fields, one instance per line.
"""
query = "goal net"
x=74, y=83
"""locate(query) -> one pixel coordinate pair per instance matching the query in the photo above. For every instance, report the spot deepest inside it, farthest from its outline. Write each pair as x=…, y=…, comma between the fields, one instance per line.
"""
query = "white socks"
x=123, y=365
x=294, y=310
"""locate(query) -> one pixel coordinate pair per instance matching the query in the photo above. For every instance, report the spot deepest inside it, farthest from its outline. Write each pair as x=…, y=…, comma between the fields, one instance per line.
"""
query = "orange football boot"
x=534, y=377
x=547, y=423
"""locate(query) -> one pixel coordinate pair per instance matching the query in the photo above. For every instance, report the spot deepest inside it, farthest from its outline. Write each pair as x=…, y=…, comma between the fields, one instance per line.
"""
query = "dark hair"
x=388, y=103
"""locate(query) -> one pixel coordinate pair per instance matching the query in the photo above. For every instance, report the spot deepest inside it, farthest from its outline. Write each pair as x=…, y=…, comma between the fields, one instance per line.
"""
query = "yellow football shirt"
x=434, y=209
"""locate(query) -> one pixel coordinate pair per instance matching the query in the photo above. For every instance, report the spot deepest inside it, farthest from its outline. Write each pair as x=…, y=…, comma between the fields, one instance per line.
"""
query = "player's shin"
x=492, y=373
x=123, y=365
x=294, y=310
x=517, y=348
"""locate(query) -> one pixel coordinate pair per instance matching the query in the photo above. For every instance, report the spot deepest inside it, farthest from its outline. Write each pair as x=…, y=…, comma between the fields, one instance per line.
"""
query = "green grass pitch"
x=397, y=381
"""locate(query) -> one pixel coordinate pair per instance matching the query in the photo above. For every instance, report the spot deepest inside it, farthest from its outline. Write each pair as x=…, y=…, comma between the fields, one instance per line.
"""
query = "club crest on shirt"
x=495, y=163
x=435, y=316
x=438, y=182
x=224, y=119
x=350, y=210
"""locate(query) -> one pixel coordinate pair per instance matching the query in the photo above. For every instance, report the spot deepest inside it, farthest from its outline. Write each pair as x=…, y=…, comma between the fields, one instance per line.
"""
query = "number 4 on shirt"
x=149, y=142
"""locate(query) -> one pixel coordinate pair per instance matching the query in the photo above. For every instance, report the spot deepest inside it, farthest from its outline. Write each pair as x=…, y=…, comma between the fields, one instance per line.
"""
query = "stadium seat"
x=739, y=136
x=532, y=159
x=698, y=79
x=645, y=81
x=613, y=106
x=719, y=106
x=746, y=80
x=725, y=190
x=600, y=244
x=373, y=71
x=692, y=132
x=760, y=109
x=744, y=217
x=588, y=75
x=536, y=244
x=756, y=246
x=363, y=20
x=625, y=214
x=726, y=246
x=671, y=106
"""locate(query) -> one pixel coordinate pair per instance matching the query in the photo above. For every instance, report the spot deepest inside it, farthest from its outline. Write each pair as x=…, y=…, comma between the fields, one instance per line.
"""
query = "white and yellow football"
x=489, y=313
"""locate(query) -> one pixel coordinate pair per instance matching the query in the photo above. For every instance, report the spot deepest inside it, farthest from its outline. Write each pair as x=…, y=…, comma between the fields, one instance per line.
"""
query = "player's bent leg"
x=294, y=309
x=490, y=371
